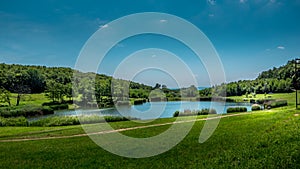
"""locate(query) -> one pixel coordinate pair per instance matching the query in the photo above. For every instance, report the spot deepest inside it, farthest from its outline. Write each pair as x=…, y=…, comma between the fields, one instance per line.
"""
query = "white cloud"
x=212, y=2
x=281, y=47
x=243, y=1
x=153, y=56
x=163, y=21
x=104, y=26
x=272, y=1
x=211, y=15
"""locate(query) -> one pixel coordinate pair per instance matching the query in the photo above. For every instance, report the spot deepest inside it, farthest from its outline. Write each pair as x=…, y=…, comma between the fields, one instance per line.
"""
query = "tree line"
x=275, y=80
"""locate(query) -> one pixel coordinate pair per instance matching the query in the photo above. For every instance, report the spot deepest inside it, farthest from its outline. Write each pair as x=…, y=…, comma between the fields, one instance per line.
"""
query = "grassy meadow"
x=262, y=139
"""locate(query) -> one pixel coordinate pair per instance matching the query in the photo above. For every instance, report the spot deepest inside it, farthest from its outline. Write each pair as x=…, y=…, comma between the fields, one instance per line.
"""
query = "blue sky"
x=249, y=35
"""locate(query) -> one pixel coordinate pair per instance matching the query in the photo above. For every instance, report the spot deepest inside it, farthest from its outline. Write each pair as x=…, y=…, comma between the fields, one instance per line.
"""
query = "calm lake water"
x=151, y=110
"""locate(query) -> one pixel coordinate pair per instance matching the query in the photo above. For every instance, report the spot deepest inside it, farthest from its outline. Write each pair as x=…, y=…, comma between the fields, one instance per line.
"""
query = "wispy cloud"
x=212, y=2
x=243, y=1
x=281, y=47
x=211, y=15
x=163, y=21
x=104, y=26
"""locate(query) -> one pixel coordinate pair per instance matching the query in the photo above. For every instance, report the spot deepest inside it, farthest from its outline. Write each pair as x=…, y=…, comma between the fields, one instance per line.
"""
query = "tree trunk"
x=18, y=100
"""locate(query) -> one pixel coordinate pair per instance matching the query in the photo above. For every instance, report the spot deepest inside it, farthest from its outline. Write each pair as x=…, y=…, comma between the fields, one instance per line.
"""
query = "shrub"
x=59, y=107
x=279, y=103
x=26, y=111
x=236, y=109
x=123, y=103
x=15, y=121
x=51, y=103
x=176, y=114
x=56, y=121
x=255, y=107
x=139, y=101
x=206, y=111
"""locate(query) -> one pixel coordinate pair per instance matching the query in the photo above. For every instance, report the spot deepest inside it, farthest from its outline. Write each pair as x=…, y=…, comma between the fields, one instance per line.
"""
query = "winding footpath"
x=123, y=129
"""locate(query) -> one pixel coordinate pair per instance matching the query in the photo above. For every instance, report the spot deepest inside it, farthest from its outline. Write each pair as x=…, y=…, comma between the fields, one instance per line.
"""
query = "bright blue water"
x=151, y=110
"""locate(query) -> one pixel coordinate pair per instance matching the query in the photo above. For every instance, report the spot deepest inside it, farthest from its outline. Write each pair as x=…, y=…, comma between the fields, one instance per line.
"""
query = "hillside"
x=275, y=80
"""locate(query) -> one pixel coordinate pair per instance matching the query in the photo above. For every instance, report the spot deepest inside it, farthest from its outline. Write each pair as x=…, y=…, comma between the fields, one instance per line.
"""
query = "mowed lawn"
x=264, y=139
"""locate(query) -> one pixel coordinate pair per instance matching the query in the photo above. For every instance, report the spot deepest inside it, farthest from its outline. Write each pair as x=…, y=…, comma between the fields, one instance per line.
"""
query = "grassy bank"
x=264, y=139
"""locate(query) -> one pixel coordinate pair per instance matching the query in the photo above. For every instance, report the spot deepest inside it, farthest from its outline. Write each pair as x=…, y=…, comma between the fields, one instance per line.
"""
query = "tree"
x=5, y=96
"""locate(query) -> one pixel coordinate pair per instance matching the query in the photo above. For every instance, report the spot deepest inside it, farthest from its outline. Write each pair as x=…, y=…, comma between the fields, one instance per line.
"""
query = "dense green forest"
x=276, y=80
x=57, y=84
x=60, y=85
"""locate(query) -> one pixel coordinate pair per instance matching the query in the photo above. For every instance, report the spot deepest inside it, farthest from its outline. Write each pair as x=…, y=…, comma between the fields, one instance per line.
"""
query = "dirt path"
x=122, y=129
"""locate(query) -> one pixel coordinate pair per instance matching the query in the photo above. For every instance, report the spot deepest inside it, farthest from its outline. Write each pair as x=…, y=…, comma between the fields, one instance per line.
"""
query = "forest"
x=63, y=85
x=275, y=80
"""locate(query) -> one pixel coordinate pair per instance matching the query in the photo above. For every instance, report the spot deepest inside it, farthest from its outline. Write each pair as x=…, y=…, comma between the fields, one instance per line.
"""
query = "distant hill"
x=275, y=80
x=283, y=72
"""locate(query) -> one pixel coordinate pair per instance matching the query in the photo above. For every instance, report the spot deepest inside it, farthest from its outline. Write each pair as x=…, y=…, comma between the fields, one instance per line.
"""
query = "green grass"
x=264, y=139
x=30, y=99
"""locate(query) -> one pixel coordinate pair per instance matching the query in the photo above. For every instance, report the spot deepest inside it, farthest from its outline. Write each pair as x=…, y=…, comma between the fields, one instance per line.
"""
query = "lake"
x=150, y=110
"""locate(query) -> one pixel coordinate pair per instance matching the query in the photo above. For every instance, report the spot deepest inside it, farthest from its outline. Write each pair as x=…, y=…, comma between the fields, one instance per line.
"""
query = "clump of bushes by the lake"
x=279, y=103
x=14, y=121
x=61, y=120
x=56, y=105
x=206, y=111
x=255, y=107
x=194, y=112
x=236, y=109
x=56, y=121
x=59, y=107
x=139, y=101
x=123, y=103
x=26, y=111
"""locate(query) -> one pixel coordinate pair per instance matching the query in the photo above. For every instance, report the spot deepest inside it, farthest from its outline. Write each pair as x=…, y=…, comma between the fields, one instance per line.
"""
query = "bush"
x=255, y=107
x=56, y=121
x=193, y=113
x=176, y=114
x=279, y=103
x=26, y=111
x=51, y=103
x=236, y=109
x=139, y=101
x=206, y=111
x=123, y=103
x=59, y=107
x=15, y=121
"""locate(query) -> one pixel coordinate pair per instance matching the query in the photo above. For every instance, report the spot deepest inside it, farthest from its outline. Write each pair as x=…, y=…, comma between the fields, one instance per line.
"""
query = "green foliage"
x=26, y=111
x=56, y=121
x=206, y=111
x=5, y=96
x=276, y=80
x=278, y=103
x=255, y=107
x=15, y=121
x=194, y=112
x=73, y=120
x=236, y=109
x=176, y=113
x=139, y=101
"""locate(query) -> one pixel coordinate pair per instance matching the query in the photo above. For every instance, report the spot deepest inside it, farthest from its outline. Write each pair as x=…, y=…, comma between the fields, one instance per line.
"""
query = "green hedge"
x=139, y=101
x=236, y=109
x=16, y=121
x=255, y=107
x=206, y=111
x=59, y=107
x=279, y=103
x=25, y=111
x=193, y=113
